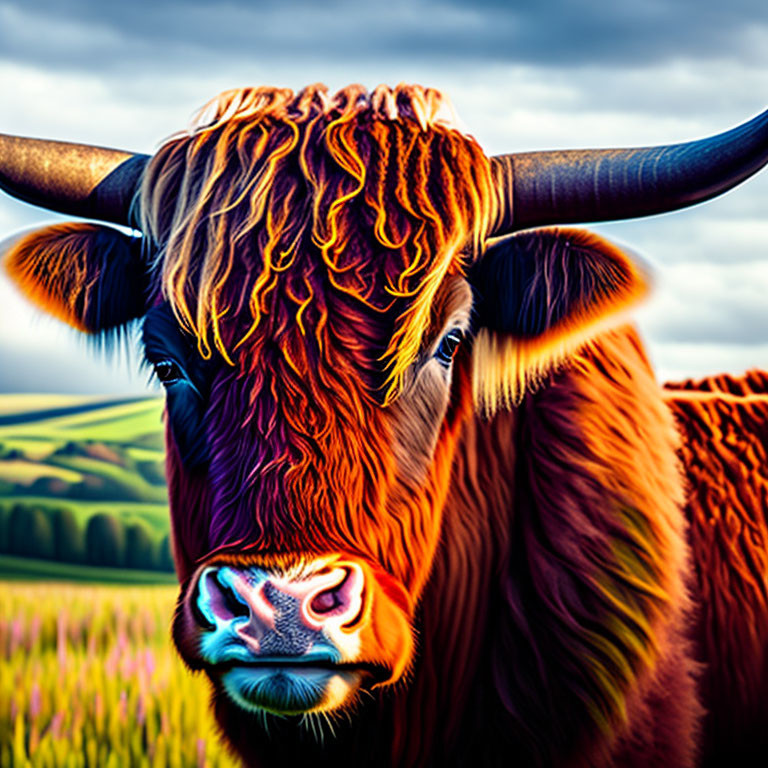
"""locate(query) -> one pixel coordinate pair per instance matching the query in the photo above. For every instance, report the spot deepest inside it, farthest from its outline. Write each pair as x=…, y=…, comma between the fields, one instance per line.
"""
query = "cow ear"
x=90, y=276
x=540, y=295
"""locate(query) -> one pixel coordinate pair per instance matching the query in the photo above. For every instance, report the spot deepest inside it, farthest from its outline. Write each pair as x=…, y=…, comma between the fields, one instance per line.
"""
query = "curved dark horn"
x=579, y=186
x=77, y=179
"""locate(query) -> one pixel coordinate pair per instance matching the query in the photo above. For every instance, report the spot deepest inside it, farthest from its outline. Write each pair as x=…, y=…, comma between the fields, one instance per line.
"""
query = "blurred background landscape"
x=88, y=675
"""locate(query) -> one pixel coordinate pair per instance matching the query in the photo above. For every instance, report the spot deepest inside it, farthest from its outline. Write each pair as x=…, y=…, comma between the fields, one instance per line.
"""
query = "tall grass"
x=88, y=677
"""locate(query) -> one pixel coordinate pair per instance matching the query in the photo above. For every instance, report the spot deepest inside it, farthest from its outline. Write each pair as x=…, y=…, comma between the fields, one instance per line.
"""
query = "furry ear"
x=540, y=295
x=90, y=276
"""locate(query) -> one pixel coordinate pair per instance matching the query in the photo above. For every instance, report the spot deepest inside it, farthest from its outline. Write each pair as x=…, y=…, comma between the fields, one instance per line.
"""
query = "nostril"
x=326, y=601
x=338, y=600
x=223, y=601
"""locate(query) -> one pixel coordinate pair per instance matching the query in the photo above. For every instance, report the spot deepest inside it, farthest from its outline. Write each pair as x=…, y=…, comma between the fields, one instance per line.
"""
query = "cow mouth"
x=294, y=686
x=371, y=670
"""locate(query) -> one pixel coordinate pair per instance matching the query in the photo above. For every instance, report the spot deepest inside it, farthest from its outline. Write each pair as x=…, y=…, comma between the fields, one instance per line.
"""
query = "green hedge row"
x=54, y=534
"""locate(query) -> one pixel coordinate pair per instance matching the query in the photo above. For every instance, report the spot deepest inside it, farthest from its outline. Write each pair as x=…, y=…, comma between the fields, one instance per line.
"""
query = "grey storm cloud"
x=82, y=34
x=523, y=75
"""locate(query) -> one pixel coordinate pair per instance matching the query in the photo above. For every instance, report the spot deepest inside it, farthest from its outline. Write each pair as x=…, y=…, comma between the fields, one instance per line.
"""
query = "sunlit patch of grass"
x=26, y=472
x=31, y=447
x=125, y=422
x=88, y=677
x=19, y=403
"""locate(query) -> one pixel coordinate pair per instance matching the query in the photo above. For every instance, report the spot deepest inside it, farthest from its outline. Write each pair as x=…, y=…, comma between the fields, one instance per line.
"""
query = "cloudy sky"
x=522, y=75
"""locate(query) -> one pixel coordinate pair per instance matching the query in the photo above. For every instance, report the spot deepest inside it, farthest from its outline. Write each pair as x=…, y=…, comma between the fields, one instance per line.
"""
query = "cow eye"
x=167, y=372
x=448, y=346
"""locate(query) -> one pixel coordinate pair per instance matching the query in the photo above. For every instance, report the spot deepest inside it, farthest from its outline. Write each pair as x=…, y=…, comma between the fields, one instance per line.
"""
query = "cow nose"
x=277, y=614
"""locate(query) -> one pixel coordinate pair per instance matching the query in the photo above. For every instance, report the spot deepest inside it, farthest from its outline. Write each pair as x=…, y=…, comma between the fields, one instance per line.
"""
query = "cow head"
x=324, y=305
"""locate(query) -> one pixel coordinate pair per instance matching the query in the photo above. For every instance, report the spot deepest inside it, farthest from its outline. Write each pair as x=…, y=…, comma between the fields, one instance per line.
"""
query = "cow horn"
x=77, y=179
x=585, y=185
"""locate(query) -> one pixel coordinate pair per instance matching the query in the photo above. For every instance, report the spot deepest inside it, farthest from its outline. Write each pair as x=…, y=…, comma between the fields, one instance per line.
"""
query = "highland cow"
x=429, y=505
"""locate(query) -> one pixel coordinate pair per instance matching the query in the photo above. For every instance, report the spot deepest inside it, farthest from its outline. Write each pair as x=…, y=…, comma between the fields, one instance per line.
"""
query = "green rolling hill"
x=87, y=455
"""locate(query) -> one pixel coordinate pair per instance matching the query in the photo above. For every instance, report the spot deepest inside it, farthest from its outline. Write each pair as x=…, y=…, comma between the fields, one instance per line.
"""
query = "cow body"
x=519, y=529
x=428, y=502
x=723, y=423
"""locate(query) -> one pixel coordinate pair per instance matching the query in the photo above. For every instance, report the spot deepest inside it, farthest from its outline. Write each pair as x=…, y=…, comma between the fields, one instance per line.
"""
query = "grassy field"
x=88, y=678
x=31, y=569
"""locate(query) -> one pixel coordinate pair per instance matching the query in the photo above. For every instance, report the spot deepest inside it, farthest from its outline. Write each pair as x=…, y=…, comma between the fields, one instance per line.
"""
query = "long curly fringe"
x=264, y=175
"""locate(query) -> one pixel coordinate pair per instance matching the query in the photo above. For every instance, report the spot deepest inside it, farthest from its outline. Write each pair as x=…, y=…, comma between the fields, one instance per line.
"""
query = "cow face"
x=318, y=307
x=312, y=301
